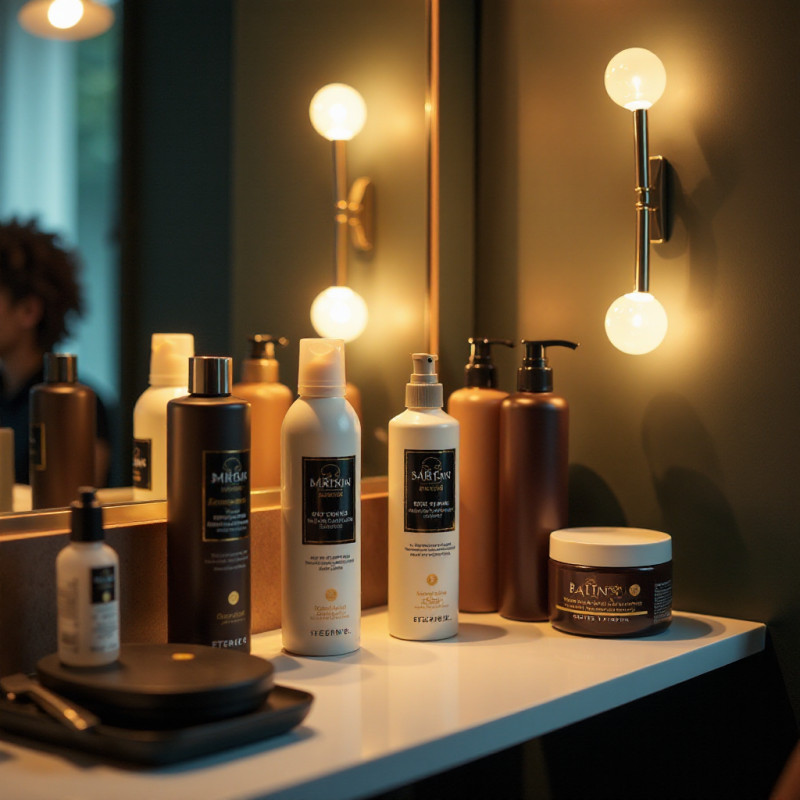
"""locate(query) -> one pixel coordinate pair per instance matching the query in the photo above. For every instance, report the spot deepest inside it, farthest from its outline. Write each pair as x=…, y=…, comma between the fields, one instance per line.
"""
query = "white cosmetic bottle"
x=423, y=511
x=87, y=580
x=321, y=509
x=169, y=378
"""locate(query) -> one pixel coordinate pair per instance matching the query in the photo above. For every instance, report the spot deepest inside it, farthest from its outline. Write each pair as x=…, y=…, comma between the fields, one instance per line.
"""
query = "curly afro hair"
x=33, y=262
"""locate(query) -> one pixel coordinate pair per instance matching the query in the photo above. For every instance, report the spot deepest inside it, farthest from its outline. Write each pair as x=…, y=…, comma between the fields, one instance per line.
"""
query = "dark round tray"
x=160, y=686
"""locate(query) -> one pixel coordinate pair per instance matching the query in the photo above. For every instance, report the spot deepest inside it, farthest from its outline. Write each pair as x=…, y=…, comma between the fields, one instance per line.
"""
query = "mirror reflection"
x=219, y=220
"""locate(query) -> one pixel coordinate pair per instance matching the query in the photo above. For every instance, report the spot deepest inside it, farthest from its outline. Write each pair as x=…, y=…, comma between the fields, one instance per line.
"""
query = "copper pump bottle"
x=534, y=434
x=477, y=409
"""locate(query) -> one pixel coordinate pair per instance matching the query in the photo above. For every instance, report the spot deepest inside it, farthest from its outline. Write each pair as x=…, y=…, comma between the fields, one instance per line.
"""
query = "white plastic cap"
x=169, y=358
x=610, y=547
x=321, y=368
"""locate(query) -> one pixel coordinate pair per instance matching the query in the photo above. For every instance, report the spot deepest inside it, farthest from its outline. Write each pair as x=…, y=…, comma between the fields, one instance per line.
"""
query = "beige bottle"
x=269, y=401
x=477, y=409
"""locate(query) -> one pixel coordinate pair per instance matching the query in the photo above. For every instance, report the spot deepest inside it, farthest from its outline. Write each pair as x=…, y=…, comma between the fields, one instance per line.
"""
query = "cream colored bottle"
x=321, y=509
x=423, y=511
x=87, y=581
x=269, y=401
x=477, y=409
x=169, y=378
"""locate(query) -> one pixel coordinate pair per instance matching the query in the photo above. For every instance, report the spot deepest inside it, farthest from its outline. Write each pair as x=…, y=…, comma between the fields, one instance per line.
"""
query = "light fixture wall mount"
x=636, y=322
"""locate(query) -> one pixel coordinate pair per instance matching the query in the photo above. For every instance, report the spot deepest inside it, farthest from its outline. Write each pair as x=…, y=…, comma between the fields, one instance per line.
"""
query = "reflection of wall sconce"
x=338, y=113
x=636, y=322
x=65, y=19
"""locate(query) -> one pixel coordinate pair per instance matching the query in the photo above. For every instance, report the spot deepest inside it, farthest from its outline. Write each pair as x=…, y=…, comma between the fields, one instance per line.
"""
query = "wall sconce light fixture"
x=69, y=20
x=338, y=113
x=636, y=322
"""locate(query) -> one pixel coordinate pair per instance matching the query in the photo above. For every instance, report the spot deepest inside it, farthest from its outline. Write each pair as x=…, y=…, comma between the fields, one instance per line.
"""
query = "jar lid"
x=610, y=547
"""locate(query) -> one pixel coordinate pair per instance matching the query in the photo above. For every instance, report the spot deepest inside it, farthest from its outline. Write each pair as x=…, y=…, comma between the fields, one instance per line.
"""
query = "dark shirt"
x=15, y=414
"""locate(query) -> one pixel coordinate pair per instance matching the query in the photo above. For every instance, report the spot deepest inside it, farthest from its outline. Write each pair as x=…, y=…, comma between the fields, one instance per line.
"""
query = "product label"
x=142, y=476
x=36, y=449
x=102, y=585
x=226, y=494
x=430, y=490
x=329, y=507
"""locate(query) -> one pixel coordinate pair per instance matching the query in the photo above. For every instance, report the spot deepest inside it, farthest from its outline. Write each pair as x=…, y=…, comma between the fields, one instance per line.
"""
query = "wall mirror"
x=226, y=228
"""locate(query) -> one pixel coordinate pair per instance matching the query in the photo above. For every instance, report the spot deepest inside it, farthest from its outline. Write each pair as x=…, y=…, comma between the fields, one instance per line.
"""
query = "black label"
x=430, y=490
x=226, y=500
x=103, y=585
x=36, y=446
x=142, y=476
x=329, y=492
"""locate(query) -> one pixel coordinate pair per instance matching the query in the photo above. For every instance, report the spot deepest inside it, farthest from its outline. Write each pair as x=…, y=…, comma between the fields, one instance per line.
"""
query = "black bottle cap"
x=87, y=516
x=262, y=345
x=535, y=374
x=480, y=370
x=211, y=376
x=60, y=368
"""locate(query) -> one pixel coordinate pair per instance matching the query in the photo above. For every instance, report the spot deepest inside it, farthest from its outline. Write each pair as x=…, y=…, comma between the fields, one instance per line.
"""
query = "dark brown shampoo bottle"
x=534, y=434
x=208, y=510
x=63, y=429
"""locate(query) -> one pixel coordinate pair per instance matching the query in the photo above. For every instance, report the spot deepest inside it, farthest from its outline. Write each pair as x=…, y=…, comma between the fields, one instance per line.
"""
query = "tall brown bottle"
x=63, y=429
x=534, y=436
x=477, y=408
x=208, y=510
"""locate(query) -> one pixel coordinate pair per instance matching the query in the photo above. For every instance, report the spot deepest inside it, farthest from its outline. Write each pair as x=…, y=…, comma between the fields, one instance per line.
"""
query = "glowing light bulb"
x=636, y=323
x=65, y=13
x=338, y=112
x=339, y=313
x=635, y=78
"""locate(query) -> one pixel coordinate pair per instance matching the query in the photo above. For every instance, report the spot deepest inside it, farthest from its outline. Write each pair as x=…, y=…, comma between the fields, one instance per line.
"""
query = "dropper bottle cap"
x=262, y=366
x=320, y=370
x=169, y=358
x=424, y=389
x=480, y=370
x=535, y=374
x=86, y=517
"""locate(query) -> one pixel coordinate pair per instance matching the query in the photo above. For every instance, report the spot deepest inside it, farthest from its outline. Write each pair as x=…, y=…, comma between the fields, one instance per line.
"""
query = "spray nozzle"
x=480, y=370
x=87, y=516
x=535, y=374
x=423, y=389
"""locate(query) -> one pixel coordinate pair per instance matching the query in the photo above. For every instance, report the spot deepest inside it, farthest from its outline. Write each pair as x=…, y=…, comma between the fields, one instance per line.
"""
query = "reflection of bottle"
x=169, y=376
x=208, y=510
x=87, y=579
x=423, y=511
x=269, y=401
x=63, y=429
x=321, y=509
x=6, y=469
x=534, y=429
x=477, y=409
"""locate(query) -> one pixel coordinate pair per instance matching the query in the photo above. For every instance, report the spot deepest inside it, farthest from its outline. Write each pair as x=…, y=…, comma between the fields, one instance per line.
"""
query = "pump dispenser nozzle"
x=86, y=516
x=423, y=389
x=262, y=366
x=480, y=370
x=535, y=374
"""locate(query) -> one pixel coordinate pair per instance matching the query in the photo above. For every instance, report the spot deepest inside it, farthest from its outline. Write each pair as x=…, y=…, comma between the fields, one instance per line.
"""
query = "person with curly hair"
x=39, y=298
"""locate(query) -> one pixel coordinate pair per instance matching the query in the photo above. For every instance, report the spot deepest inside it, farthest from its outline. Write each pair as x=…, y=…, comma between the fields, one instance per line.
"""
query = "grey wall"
x=699, y=438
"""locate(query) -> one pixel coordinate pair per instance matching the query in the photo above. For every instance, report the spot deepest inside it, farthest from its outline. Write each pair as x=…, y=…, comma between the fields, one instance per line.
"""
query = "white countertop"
x=396, y=711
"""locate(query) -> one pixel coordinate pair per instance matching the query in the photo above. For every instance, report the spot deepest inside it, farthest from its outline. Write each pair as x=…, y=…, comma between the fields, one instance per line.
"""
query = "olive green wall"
x=699, y=438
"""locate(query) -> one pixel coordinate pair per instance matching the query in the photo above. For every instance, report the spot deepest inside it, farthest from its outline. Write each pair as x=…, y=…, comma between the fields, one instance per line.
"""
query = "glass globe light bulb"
x=635, y=78
x=65, y=13
x=339, y=313
x=338, y=112
x=636, y=323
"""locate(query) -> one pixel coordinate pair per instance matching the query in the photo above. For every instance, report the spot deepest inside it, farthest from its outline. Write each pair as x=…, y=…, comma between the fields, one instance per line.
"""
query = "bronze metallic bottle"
x=534, y=433
x=208, y=510
x=63, y=429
